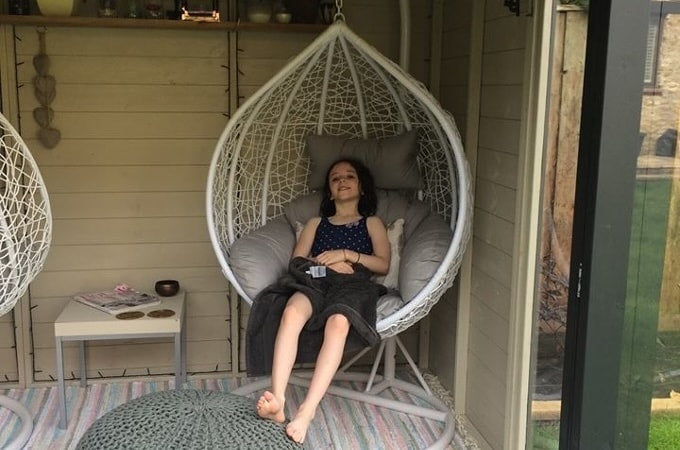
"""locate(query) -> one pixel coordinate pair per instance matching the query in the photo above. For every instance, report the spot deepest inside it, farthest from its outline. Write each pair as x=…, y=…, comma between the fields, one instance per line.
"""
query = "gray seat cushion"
x=259, y=258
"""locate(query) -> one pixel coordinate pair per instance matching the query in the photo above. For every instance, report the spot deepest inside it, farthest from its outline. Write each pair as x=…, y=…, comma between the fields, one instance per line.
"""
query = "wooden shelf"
x=105, y=22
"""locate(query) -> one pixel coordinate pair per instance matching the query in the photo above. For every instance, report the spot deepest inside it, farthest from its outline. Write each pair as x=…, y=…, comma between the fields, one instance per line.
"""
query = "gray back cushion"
x=422, y=254
x=259, y=258
x=392, y=160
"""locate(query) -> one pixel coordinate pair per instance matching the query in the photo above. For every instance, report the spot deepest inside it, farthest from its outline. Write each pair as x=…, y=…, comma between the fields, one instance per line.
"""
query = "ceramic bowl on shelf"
x=261, y=13
x=259, y=17
x=56, y=7
x=167, y=288
x=283, y=17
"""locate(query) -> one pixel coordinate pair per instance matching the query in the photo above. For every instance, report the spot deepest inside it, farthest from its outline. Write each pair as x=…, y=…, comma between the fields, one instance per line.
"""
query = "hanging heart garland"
x=49, y=136
x=43, y=115
x=41, y=62
x=44, y=89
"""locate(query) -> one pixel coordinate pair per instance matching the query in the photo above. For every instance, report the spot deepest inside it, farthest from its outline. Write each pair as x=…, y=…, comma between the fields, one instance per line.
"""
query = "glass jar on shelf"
x=259, y=11
x=107, y=8
x=153, y=9
x=133, y=10
x=19, y=7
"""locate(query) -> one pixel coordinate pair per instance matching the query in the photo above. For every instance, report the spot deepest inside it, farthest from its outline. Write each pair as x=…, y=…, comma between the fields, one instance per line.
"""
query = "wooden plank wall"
x=9, y=372
x=454, y=85
x=494, y=218
x=140, y=111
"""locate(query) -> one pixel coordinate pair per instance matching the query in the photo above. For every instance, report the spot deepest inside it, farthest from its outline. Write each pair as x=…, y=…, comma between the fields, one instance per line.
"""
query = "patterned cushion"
x=395, y=231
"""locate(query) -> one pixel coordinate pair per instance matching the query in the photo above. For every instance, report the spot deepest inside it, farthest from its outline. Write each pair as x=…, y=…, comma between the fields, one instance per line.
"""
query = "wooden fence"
x=561, y=164
x=560, y=167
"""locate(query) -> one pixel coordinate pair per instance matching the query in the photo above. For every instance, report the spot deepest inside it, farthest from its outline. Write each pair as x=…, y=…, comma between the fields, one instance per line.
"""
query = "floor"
x=340, y=423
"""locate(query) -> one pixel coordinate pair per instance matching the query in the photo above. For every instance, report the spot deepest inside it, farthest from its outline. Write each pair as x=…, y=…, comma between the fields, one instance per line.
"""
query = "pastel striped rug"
x=339, y=423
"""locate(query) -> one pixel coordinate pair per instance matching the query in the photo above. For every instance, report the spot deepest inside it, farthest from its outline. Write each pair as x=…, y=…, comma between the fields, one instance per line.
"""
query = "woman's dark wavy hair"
x=368, y=202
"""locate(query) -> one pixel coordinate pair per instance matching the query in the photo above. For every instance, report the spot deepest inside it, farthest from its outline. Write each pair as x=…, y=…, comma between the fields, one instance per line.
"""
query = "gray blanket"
x=355, y=296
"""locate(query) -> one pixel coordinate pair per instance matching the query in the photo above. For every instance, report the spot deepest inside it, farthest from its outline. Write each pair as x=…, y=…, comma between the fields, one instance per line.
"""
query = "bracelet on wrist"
x=358, y=258
x=344, y=255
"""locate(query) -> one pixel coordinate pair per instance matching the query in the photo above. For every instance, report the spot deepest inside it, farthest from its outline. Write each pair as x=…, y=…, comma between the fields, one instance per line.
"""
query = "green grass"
x=545, y=436
x=664, y=433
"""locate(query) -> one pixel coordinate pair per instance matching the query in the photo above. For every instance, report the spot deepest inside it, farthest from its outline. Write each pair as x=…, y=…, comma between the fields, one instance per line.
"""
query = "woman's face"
x=343, y=182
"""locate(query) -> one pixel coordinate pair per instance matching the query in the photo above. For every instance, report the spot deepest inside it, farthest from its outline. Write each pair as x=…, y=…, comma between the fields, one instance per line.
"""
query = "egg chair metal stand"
x=25, y=235
x=340, y=85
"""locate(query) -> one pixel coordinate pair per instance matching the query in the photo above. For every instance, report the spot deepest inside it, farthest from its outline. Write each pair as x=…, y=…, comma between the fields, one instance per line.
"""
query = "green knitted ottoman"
x=185, y=419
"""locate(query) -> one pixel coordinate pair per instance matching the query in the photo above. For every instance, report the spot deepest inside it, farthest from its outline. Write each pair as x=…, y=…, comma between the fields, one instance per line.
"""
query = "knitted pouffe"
x=185, y=419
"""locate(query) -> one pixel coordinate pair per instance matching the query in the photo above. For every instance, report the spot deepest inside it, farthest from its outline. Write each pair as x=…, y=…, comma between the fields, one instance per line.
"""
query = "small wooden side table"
x=79, y=322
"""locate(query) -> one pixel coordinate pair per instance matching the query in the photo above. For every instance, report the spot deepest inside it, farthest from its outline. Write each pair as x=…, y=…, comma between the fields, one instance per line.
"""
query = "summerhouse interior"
x=139, y=109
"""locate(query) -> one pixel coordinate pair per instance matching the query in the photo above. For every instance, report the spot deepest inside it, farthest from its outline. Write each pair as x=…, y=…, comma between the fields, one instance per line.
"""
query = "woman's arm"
x=343, y=259
x=303, y=247
x=379, y=261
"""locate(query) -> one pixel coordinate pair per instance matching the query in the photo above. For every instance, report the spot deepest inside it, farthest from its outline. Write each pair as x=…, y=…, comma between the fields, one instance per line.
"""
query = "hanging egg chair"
x=25, y=235
x=341, y=87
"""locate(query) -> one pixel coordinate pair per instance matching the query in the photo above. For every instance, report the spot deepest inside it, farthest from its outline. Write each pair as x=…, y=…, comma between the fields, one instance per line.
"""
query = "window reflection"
x=650, y=366
x=648, y=408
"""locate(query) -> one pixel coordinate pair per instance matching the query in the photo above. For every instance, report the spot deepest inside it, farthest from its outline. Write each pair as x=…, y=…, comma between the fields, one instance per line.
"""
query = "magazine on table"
x=119, y=300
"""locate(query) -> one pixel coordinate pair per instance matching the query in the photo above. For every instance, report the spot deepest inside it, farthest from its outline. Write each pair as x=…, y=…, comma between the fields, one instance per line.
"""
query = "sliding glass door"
x=607, y=335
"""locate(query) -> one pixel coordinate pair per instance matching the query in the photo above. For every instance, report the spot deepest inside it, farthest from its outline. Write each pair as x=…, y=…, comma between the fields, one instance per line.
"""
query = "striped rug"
x=339, y=423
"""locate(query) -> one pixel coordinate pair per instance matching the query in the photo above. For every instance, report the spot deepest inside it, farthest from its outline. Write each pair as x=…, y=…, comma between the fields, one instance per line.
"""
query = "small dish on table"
x=167, y=288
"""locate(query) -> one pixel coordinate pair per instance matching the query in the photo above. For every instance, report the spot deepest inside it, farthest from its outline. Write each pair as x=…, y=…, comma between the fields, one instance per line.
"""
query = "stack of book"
x=118, y=300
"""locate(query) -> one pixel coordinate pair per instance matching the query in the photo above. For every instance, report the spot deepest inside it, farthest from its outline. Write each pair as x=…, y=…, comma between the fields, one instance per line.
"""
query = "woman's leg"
x=297, y=312
x=327, y=363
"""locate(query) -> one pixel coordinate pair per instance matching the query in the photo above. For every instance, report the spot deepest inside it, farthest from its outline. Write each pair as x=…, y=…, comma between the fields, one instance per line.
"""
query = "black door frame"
x=605, y=180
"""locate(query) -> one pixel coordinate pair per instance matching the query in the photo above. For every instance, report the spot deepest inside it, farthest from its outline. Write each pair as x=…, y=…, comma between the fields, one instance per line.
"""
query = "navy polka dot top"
x=352, y=236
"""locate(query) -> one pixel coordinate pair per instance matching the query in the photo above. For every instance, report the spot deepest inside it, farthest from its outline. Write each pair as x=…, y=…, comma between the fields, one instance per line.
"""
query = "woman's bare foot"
x=269, y=407
x=297, y=428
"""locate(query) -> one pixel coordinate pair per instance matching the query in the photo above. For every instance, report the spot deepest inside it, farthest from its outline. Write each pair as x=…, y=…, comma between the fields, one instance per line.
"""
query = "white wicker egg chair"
x=25, y=234
x=340, y=85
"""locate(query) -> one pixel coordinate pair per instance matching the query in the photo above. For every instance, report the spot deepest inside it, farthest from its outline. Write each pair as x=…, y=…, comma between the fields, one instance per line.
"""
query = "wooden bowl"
x=167, y=288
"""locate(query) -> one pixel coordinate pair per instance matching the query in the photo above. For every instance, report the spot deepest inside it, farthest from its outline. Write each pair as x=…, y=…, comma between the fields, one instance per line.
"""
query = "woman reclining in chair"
x=351, y=244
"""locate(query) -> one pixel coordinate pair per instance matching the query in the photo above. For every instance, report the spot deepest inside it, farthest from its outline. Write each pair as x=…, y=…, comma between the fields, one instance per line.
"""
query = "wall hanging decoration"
x=44, y=88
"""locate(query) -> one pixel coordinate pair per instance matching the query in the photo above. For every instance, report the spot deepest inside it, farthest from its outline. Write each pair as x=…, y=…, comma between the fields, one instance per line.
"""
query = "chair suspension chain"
x=338, y=15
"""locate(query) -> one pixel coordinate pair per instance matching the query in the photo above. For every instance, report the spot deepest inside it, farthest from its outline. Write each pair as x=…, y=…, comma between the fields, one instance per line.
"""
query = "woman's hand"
x=330, y=257
x=342, y=267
